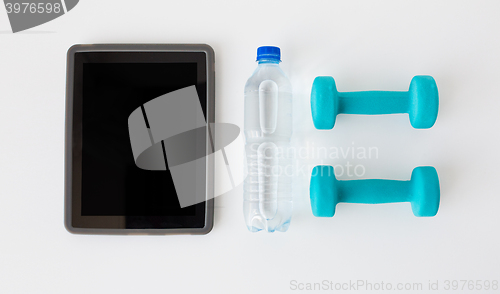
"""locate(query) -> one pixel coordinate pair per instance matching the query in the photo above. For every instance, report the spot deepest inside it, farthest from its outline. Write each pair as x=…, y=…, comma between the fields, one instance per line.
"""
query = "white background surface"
x=364, y=45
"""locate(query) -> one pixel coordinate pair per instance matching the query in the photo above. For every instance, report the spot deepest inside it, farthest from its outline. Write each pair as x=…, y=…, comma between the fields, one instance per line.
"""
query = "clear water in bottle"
x=267, y=191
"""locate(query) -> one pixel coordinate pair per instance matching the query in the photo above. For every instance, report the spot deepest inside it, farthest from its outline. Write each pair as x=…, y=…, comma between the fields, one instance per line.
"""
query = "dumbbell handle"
x=373, y=191
x=373, y=102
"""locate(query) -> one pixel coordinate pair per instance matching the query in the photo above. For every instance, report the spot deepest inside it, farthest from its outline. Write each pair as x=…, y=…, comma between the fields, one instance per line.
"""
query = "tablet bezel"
x=73, y=153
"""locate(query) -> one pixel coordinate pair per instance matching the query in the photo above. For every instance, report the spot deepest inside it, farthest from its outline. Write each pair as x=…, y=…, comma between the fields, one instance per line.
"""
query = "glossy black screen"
x=108, y=87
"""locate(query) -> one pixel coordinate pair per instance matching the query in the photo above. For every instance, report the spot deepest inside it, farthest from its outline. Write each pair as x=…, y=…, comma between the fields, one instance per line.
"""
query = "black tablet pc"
x=114, y=184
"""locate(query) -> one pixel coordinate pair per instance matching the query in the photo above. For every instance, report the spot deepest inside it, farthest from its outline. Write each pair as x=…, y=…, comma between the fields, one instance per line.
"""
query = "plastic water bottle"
x=267, y=190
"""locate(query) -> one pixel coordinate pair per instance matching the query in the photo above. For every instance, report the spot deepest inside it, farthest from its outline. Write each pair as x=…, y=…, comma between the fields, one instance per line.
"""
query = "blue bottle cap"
x=269, y=53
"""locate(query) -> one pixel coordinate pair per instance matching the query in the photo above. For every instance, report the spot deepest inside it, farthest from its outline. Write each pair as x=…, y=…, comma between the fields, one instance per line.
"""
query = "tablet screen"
x=108, y=87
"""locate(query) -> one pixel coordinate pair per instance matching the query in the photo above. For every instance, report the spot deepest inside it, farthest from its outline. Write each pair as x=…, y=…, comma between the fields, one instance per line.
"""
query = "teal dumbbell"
x=421, y=102
x=422, y=191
